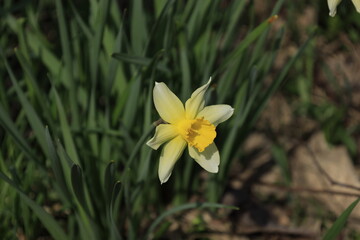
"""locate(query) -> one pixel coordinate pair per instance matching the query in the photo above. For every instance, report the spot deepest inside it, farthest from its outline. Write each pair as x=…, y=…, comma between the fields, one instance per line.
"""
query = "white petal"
x=169, y=155
x=216, y=113
x=168, y=105
x=163, y=133
x=332, y=6
x=357, y=5
x=196, y=102
x=209, y=159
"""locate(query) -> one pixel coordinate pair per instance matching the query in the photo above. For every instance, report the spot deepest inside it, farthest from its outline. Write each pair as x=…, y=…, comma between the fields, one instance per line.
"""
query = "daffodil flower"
x=193, y=125
x=334, y=3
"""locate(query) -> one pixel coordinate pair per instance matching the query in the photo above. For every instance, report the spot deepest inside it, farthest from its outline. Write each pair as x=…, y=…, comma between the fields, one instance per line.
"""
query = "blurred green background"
x=76, y=80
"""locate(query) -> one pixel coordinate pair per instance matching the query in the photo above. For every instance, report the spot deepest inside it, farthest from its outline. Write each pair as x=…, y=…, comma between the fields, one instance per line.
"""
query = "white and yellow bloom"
x=193, y=125
x=334, y=3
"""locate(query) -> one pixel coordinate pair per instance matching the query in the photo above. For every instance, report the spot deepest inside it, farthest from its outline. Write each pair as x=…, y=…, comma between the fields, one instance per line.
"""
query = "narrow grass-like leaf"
x=47, y=220
x=159, y=6
x=95, y=49
x=185, y=68
x=135, y=90
x=66, y=162
x=239, y=118
x=183, y=208
x=229, y=80
x=236, y=10
x=279, y=80
x=86, y=30
x=68, y=78
x=114, y=73
x=31, y=114
x=132, y=103
x=143, y=171
x=146, y=152
x=114, y=65
x=32, y=81
x=115, y=12
x=88, y=229
x=339, y=224
x=281, y=159
x=163, y=20
x=138, y=28
x=109, y=180
x=141, y=61
x=138, y=145
x=250, y=38
x=99, y=27
x=198, y=14
x=12, y=130
x=277, y=7
x=18, y=24
x=65, y=44
x=47, y=57
x=78, y=185
x=56, y=166
x=114, y=232
x=65, y=129
x=92, y=123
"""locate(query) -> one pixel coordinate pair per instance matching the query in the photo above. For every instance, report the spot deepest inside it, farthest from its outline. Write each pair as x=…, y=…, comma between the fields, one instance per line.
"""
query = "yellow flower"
x=334, y=3
x=193, y=125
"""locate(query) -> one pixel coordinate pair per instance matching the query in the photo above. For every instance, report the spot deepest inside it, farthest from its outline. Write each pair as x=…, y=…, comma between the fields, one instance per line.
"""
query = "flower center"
x=199, y=133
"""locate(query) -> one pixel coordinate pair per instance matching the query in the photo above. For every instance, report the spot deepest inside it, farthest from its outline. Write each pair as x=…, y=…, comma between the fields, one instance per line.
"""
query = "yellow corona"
x=192, y=125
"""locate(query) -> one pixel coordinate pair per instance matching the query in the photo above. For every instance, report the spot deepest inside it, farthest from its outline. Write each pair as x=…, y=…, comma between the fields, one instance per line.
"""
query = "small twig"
x=302, y=189
x=311, y=190
x=273, y=229
x=327, y=176
x=249, y=230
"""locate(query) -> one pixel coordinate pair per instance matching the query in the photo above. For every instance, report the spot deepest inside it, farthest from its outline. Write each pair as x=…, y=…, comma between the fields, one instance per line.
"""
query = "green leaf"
x=47, y=220
x=103, y=11
x=12, y=130
x=28, y=68
x=68, y=79
x=140, y=61
x=114, y=231
x=114, y=70
x=339, y=224
x=279, y=155
x=159, y=6
x=132, y=102
x=236, y=10
x=57, y=167
x=245, y=43
x=185, y=67
x=138, y=146
x=78, y=185
x=183, y=208
x=47, y=57
x=65, y=129
x=138, y=30
x=80, y=21
x=109, y=181
x=280, y=79
x=31, y=114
